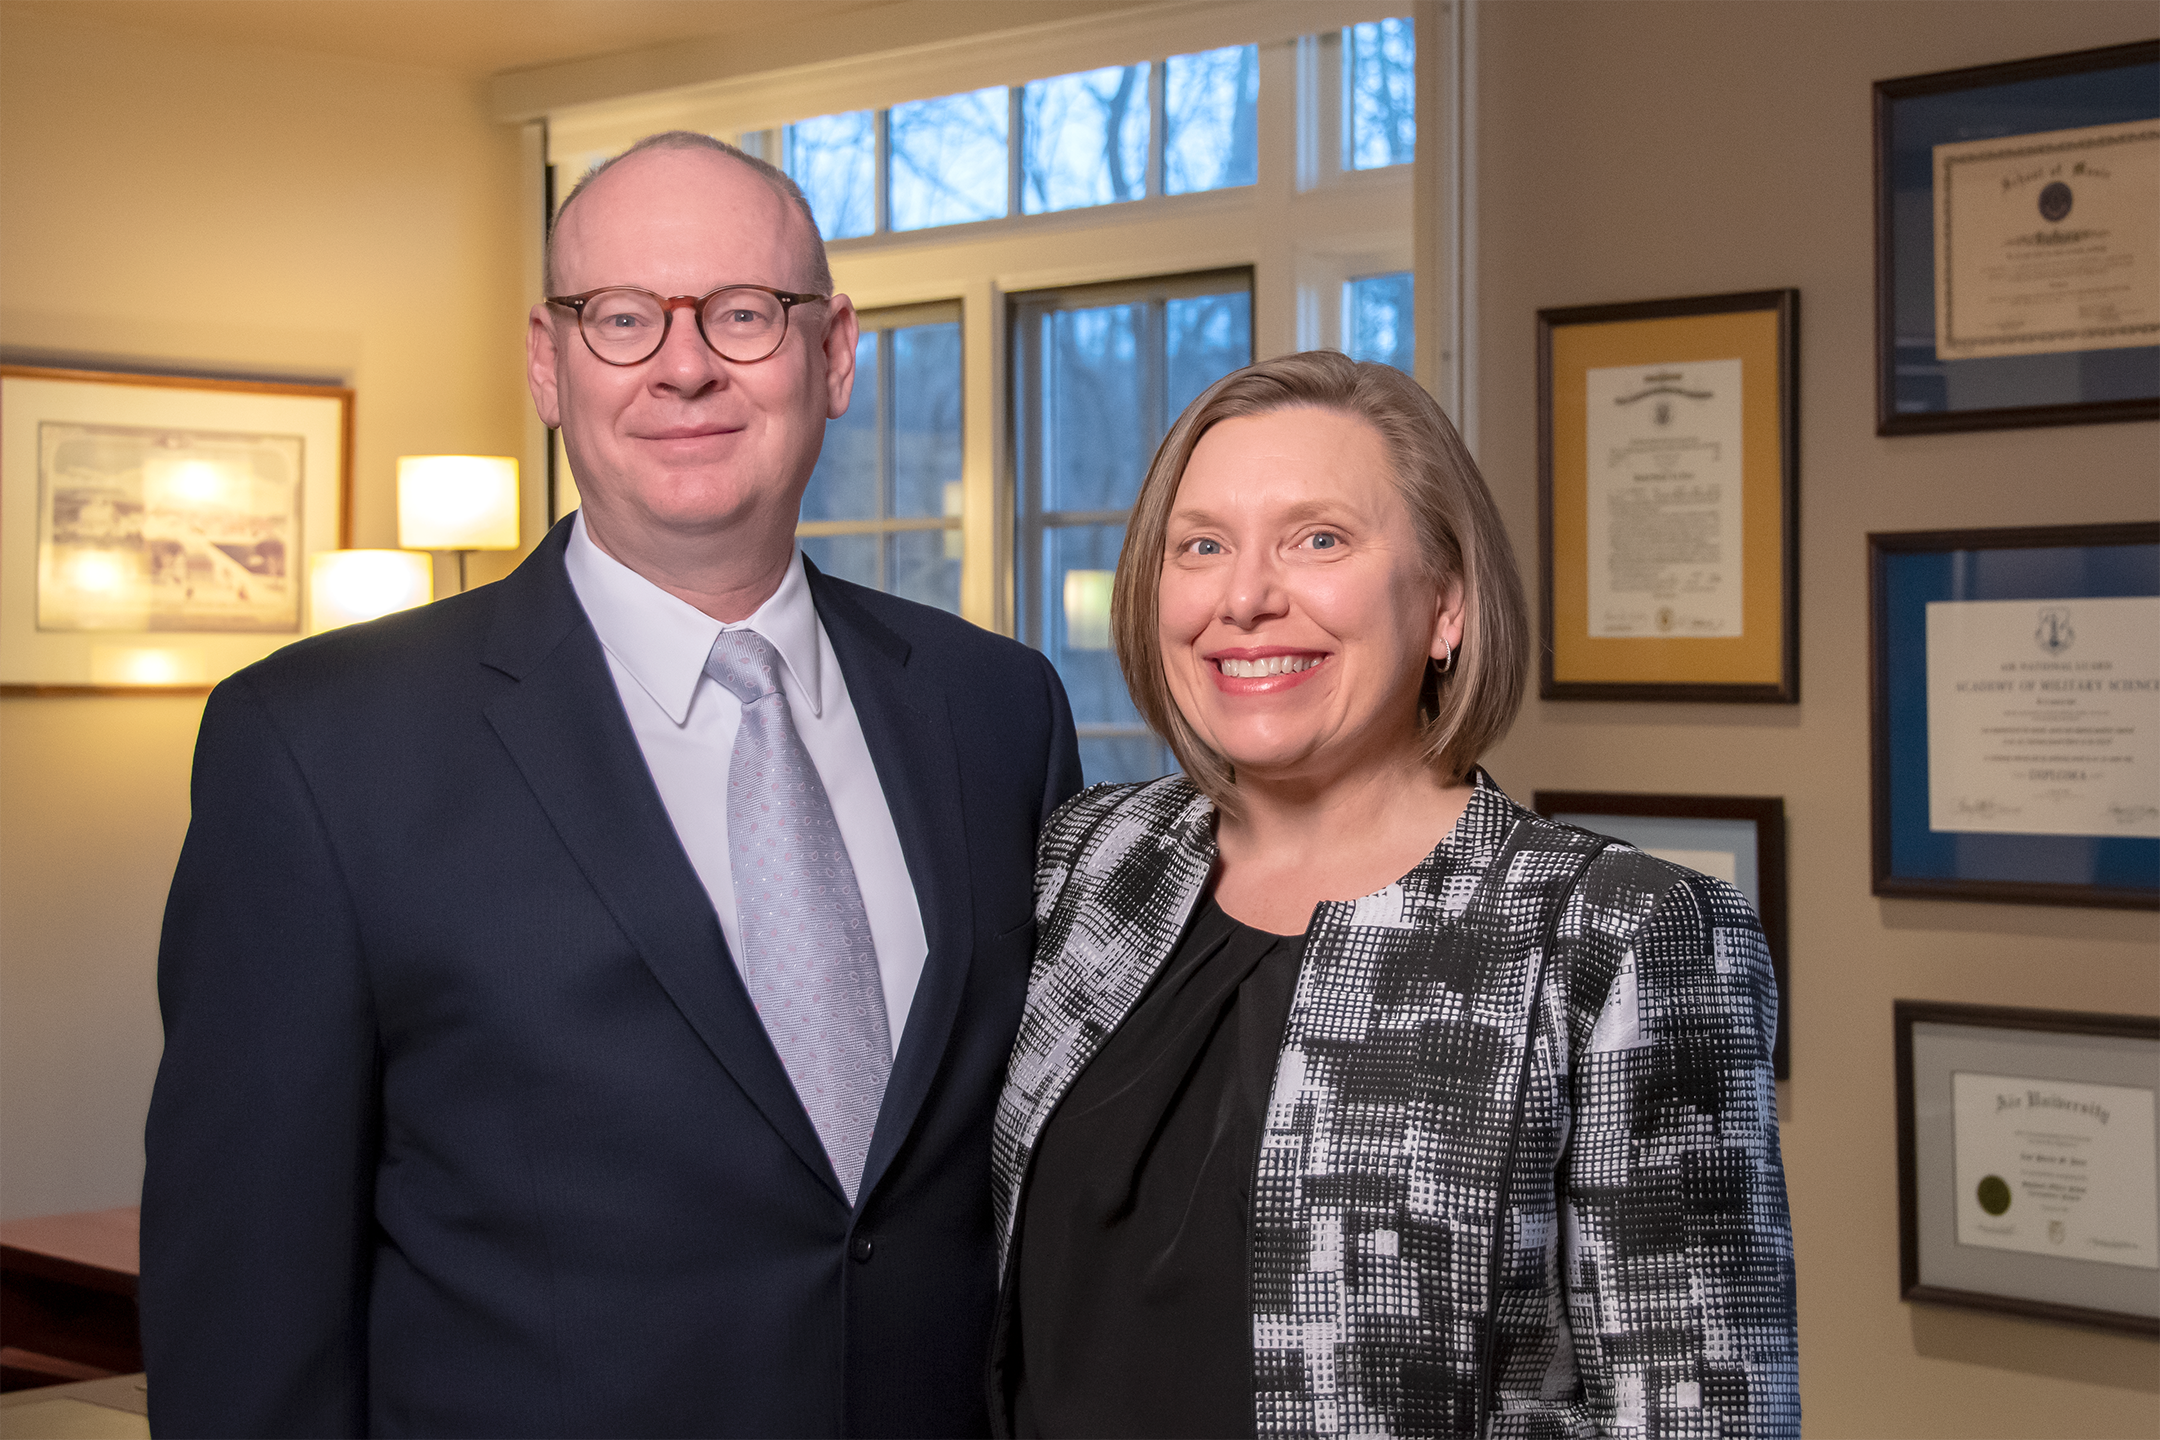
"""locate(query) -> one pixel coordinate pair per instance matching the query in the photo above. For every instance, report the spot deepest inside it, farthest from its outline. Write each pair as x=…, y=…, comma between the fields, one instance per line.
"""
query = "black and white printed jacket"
x=1520, y=1171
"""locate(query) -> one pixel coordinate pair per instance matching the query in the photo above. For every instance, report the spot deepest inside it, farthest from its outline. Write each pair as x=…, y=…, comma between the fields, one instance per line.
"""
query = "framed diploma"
x=2026, y=1146
x=1739, y=839
x=1668, y=457
x=2016, y=714
x=2017, y=243
x=155, y=529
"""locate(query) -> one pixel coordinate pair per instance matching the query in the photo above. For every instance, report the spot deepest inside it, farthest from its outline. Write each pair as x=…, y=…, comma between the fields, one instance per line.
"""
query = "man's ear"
x=841, y=331
x=540, y=356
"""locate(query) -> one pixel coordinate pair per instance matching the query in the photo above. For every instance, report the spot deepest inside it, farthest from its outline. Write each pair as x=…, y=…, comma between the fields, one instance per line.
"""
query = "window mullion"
x=881, y=175
x=885, y=349
x=1015, y=177
x=1158, y=123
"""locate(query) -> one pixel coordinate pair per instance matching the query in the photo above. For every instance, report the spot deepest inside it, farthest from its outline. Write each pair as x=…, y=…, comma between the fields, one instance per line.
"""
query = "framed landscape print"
x=154, y=530
x=2017, y=243
x=1668, y=474
x=2015, y=689
x=2026, y=1162
x=1739, y=839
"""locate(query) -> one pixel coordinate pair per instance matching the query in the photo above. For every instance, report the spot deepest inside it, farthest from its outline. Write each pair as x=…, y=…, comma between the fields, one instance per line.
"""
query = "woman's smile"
x=1263, y=672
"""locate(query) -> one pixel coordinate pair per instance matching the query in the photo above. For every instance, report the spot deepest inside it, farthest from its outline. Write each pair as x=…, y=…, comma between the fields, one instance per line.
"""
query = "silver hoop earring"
x=1447, y=661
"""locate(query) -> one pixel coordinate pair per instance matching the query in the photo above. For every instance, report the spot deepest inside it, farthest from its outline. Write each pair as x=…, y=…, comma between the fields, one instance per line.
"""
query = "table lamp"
x=459, y=503
x=345, y=586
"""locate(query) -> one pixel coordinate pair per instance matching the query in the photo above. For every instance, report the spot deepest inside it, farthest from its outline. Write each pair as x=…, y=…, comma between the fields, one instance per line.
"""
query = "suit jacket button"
x=861, y=1249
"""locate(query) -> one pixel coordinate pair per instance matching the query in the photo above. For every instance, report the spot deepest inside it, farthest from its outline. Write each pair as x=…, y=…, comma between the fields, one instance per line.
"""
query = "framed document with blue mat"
x=2016, y=714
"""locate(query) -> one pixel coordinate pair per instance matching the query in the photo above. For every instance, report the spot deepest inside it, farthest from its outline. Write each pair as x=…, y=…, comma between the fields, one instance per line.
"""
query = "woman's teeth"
x=1273, y=665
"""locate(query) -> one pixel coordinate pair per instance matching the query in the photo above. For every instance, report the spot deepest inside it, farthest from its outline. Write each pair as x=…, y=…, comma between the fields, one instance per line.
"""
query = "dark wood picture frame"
x=1767, y=814
x=1906, y=1014
x=1892, y=672
x=1782, y=685
x=1914, y=284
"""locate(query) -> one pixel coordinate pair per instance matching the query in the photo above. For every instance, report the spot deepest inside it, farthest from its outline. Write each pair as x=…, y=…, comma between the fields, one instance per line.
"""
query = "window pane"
x=834, y=159
x=851, y=557
x=926, y=419
x=1207, y=337
x=1084, y=139
x=1105, y=759
x=1381, y=58
x=1380, y=323
x=1211, y=127
x=948, y=159
x=1075, y=621
x=1100, y=435
x=924, y=565
x=845, y=484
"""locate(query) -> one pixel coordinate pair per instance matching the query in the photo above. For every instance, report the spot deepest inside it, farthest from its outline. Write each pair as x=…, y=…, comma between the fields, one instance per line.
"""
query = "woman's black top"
x=1132, y=1316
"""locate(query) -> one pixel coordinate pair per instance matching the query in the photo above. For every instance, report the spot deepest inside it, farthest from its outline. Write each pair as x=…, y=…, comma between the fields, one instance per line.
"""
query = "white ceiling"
x=466, y=37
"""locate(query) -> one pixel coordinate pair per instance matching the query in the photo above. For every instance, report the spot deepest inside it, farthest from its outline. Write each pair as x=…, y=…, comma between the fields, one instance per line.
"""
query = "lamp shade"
x=345, y=586
x=457, y=502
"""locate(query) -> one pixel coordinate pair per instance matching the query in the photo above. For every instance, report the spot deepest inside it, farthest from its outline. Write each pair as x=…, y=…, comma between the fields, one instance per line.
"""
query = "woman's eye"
x=1205, y=547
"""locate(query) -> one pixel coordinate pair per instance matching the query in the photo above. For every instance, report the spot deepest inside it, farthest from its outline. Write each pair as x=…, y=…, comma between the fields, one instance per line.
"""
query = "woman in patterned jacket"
x=1351, y=1098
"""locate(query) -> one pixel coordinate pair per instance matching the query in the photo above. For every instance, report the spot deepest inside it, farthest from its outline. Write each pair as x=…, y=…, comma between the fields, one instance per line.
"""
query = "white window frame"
x=1304, y=229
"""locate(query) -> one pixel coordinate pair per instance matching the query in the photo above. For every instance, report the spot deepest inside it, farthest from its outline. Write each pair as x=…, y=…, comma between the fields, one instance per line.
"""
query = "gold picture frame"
x=1682, y=581
x=155, y=529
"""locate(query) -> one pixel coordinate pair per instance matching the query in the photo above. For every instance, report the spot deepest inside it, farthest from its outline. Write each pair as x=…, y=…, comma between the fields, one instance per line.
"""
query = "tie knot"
x=745, y=663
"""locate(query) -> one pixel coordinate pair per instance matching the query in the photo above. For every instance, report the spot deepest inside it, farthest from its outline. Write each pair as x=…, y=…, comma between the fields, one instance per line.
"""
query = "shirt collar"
x=663, y=641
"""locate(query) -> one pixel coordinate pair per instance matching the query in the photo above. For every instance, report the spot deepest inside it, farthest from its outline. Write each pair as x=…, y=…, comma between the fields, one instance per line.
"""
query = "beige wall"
x=224, y=210
x=1632, y=151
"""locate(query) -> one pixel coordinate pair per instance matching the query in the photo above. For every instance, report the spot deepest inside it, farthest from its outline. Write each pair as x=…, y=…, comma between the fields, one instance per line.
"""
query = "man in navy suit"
x=493, y=1100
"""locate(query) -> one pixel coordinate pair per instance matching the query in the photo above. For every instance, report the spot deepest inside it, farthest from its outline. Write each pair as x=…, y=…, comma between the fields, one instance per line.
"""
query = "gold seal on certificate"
x=2043, y=716
x=1664, y=492
x=2048, y=243
x=2056, y=1168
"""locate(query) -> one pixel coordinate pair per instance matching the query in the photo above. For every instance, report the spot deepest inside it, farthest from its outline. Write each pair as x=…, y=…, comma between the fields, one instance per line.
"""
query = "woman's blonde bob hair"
x=1463, y=712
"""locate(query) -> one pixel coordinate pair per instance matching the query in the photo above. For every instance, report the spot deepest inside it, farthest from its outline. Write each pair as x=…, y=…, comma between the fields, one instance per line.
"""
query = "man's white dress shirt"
x=685, y=724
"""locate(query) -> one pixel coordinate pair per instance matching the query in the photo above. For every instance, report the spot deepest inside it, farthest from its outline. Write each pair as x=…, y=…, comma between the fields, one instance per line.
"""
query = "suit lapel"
x=909, y=734
x=564, y=727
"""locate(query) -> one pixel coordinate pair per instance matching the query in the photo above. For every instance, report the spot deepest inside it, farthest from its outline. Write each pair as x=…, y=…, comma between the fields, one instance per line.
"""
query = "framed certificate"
x=1668, y=458
x=2017, y=243
x=2026, y=1146
x=1739, y=839
x=155, y=529
x=2016, y=714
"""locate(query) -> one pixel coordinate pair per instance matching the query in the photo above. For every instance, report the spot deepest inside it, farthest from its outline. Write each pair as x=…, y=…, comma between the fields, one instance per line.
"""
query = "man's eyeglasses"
x=624, y=325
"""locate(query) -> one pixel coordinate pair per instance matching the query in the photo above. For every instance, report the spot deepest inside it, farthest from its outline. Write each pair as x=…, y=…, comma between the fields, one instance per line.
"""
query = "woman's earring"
x=1447, y=661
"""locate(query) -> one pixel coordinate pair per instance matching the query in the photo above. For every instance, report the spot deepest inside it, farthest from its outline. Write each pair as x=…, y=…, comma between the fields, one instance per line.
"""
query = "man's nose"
x=684, y=363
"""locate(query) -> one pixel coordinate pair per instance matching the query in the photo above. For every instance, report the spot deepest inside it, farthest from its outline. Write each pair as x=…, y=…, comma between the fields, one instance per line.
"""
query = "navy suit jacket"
x=466, y=1124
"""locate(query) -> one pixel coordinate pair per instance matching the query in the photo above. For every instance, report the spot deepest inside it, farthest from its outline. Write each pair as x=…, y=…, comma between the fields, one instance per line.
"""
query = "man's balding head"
x=818, y=273
x=692, y=466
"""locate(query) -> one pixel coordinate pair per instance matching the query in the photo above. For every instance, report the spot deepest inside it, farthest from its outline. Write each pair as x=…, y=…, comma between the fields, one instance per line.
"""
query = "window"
x=883, y=506
x=834, y=159
x=1379, y=322
x=1099, y=373
x=1008, y=172
x=1379, y=94
x=1085, y=139
x=1211, y=120
x=948, y=159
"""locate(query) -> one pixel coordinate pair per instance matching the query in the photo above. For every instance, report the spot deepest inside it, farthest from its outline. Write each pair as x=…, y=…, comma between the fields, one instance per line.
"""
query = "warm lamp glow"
x=1087, y=609
x=457, y=502
x=140, y=665
x=346, y=586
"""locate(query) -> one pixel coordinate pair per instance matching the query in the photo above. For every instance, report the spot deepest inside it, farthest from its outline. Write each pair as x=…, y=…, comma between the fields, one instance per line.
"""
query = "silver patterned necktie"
x=807, y=951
